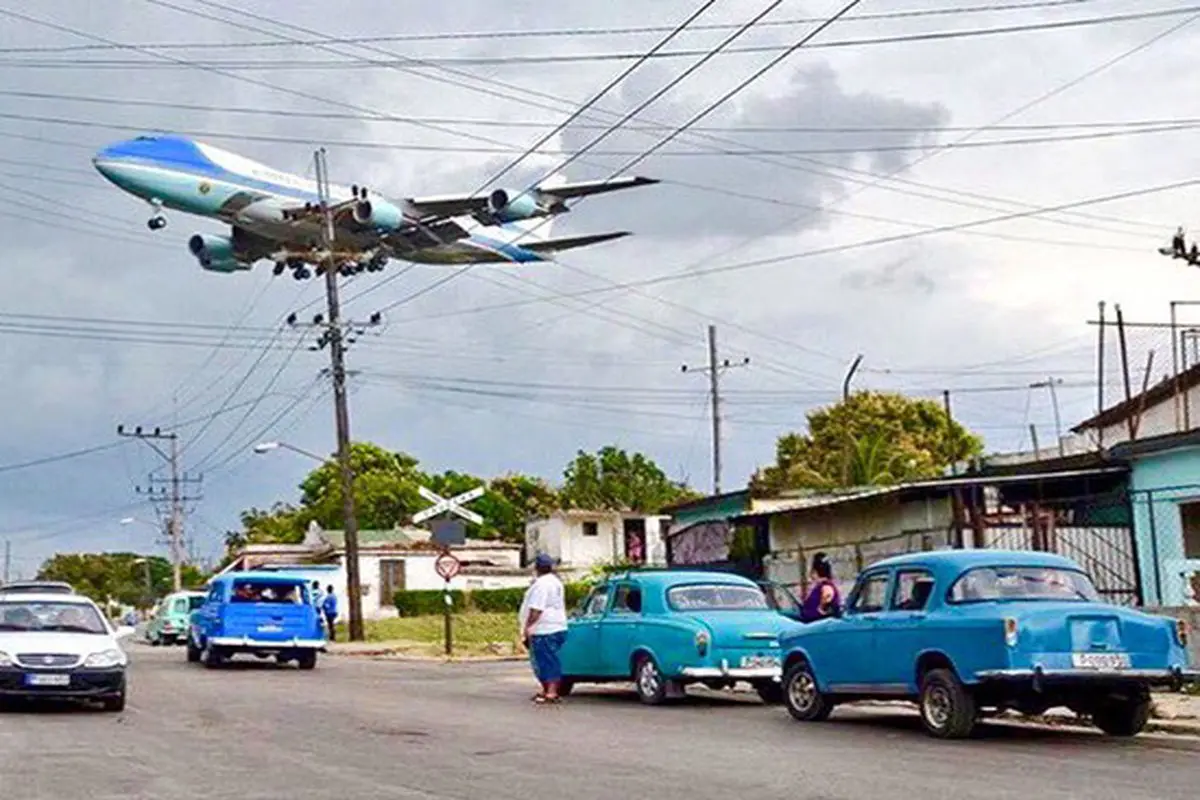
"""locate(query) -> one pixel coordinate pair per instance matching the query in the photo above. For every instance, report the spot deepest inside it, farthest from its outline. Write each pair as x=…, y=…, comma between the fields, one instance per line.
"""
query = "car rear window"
x=267, y=592
x=1022, y=583
x=716, y=597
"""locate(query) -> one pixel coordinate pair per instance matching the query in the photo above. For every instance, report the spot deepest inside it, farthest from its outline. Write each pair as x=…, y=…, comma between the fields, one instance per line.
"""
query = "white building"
x=389, y=561
x=581, y=539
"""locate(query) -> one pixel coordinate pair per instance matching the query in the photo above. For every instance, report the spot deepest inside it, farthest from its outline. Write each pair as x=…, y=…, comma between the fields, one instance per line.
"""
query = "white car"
x=60, y=646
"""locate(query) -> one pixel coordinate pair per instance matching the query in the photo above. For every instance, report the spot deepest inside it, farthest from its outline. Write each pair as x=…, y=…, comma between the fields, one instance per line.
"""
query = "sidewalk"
x=422, y=651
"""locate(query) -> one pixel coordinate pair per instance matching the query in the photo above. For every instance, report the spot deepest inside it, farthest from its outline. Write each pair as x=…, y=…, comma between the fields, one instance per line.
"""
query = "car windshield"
x=46, y=616
x=716, y=597
x=1023, y=583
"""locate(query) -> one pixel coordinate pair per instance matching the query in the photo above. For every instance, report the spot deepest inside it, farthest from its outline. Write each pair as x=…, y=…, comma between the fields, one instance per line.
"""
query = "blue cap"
x=543, y=560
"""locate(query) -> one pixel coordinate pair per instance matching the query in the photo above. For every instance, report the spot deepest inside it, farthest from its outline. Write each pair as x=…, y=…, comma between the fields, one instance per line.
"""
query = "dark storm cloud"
x=812, y=97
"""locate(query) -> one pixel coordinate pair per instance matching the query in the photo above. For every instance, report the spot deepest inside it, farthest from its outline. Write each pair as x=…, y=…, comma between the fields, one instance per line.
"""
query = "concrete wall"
x=1160, y=482
x=873, y=529
x=561, y=536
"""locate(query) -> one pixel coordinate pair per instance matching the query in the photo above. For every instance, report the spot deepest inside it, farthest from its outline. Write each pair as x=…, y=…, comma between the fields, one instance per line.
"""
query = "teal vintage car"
x=169, y=625
x=667, y=628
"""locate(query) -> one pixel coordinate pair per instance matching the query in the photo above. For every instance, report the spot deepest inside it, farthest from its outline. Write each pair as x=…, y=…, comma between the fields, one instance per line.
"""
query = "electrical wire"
x=595, y=57
x=990, y=8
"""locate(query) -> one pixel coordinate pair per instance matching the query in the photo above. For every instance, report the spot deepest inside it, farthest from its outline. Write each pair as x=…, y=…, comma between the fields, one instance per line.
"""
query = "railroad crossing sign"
x=451, y=504
x=447, y=566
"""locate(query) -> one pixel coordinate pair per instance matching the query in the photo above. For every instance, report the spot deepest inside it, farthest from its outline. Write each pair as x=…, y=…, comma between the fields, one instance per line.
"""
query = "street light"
x=353, y=583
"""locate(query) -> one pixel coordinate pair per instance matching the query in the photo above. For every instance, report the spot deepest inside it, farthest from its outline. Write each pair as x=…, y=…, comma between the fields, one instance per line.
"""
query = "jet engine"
x=378, y=214
x=505, y=208
x=215, y=253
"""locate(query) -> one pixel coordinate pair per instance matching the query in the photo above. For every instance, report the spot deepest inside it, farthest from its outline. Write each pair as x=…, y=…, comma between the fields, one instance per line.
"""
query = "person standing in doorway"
x=543, y=620
x=330, y=610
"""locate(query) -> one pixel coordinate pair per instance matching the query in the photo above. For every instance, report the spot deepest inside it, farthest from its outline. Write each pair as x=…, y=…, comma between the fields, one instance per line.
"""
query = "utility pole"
x=337, y=354
x=1100, y=381
x=849, y=375
x=7, y=559
x=714, y=371
x=1050, y=383
x=172, y=493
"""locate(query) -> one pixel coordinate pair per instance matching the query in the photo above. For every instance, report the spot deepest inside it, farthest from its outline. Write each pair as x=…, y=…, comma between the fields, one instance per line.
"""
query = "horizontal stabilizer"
x=571, y=242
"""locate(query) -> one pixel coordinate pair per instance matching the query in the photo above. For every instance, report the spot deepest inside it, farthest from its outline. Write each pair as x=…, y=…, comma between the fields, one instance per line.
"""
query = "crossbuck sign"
x=451, y=504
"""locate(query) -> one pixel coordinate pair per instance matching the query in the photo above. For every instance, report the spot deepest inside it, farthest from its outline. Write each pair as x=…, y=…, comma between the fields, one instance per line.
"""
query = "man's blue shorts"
x=543, y=652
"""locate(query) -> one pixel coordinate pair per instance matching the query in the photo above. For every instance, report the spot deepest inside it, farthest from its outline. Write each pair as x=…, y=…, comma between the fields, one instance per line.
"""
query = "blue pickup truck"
x=256, y=613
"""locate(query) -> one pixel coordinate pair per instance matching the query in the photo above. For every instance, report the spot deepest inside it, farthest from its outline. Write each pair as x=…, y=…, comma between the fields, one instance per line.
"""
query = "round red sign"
x=447, y=566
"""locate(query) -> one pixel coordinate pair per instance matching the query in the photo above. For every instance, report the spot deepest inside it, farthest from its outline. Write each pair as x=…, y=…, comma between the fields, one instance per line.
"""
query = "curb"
x=400, y=654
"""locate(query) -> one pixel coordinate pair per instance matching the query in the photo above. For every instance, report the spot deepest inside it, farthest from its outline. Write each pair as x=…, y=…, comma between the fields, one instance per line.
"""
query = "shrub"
x=423, y=602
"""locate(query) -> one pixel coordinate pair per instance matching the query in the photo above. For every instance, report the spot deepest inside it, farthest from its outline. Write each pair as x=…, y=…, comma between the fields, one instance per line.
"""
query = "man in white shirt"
x=543, y=620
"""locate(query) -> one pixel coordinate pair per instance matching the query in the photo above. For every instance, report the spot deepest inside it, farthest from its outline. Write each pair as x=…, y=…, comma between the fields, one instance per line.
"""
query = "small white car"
x=60, y=646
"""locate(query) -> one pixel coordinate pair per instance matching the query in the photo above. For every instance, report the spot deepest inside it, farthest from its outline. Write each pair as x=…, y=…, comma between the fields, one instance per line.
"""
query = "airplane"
x=276, y=215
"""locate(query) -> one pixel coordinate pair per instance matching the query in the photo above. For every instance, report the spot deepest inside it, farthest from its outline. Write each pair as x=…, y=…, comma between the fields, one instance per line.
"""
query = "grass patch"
x=473, y=633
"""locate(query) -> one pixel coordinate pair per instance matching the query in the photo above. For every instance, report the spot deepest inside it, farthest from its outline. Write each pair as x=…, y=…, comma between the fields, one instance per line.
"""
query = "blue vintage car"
x=966, y=632
x=257, y=613
x=667, y=628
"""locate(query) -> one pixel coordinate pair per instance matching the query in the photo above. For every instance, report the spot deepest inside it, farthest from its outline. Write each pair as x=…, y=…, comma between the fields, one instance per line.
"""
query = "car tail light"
x=702, y=642
x=1181, y=631
x=1010, y=631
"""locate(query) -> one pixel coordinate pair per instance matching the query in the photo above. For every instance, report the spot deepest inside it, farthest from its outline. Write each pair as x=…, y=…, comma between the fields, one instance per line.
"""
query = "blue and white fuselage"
x=277, y=215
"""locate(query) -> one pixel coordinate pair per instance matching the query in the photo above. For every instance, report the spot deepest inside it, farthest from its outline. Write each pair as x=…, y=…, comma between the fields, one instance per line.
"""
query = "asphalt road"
x=376, y=729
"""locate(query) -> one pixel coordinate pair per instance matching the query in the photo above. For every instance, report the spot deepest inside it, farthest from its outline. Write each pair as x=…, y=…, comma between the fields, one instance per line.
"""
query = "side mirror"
x=125, y=631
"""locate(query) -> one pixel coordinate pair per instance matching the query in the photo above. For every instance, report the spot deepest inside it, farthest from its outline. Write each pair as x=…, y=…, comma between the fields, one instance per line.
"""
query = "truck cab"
x=264, y=614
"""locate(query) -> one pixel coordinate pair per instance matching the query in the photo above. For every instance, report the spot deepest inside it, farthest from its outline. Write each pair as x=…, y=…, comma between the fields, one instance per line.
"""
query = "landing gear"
x=156, y=222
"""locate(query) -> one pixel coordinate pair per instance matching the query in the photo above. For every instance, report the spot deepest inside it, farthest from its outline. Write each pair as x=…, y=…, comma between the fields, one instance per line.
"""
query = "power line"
x=566, y=58
x=552, y=33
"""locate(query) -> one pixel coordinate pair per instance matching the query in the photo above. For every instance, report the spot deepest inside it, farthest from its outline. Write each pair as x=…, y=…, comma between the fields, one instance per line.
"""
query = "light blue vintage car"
x=667, y=628
x=965, y=632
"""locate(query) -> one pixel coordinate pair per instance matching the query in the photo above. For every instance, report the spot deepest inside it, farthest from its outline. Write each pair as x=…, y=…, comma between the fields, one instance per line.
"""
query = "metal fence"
x=1168, y=521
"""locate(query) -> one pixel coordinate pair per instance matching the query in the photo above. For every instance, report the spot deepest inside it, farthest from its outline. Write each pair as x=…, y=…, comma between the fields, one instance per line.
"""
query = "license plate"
x=755, y=662
x=32, y=679
x=1103, y=661
x=269, y=629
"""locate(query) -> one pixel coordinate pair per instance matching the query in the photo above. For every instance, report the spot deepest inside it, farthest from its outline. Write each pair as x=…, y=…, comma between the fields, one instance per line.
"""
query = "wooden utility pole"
x=1100, y=380
x=714, y=371
x=337, y=353
x=1125, y=368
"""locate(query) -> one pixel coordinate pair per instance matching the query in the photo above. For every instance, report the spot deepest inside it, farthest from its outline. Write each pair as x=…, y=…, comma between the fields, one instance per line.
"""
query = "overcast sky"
x=466, y=376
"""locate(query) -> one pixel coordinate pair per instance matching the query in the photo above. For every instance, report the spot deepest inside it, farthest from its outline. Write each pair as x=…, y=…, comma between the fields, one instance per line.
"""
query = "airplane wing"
x=571, y=242
x=503, y=206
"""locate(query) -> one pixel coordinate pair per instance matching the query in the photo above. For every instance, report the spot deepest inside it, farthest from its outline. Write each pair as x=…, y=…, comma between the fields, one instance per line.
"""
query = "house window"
x=1189, y=519
x=591, y=529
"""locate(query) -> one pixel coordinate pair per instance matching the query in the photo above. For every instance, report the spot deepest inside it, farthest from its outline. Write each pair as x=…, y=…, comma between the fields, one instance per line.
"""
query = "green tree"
x=118, y=577
x=385, y=489
x=612, y=479
x=869, y=439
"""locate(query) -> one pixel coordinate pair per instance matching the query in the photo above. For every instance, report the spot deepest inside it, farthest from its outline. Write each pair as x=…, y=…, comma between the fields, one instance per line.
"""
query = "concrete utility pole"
x=7, y=559
x=1050, y=383
x=337, y=354
x=714, y=371
x=172, y=493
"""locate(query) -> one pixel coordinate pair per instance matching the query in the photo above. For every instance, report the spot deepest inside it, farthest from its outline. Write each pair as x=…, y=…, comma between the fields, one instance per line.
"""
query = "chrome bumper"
x=736, y=673
x=1165, y=675
x=276, y=644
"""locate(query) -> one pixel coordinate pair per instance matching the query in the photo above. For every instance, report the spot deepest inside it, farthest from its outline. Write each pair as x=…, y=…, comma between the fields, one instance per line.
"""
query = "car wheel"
x=212, y=657
x=193, y=652
x=155, y=641
x=651, y=685
x=565, y=687
x=770, y=692
x=801, y=695
x=1124, y=717
x=114, y=702
x=307, y=659
x=947, y=706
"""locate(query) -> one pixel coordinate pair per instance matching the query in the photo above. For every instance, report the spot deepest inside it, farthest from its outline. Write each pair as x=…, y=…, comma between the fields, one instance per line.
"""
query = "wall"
x=880, y=527
x=1159, y=483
